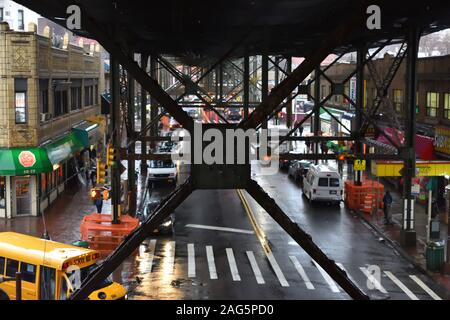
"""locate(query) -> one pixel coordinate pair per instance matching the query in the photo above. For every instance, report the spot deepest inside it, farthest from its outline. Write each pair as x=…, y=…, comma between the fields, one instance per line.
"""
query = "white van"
x=323, y=183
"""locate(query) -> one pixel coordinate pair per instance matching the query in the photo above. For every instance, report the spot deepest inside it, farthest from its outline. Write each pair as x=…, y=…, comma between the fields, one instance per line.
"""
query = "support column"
x=408, y=234
x=289, y=104
x=246, y=82
x=359, y=103
x=221, y=82
x=153, y=104
x=132, y=190
x=315, y=144
x=115, y=138
x=277, y=80
x=264, y=83
x=144, y=62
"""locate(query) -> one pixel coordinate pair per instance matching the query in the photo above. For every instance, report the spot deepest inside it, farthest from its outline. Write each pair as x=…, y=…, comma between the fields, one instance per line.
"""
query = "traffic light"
x=101, y=171
x=111, y=155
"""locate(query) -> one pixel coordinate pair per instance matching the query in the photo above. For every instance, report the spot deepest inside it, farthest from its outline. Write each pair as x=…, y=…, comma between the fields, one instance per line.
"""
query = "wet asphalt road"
x=180, y=266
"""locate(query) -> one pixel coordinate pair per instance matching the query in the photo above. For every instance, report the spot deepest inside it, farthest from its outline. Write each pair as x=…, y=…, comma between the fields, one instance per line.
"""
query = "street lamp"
x=18, y=279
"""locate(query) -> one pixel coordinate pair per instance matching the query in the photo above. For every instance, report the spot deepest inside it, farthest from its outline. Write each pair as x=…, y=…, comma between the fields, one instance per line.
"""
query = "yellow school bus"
x=49, y=270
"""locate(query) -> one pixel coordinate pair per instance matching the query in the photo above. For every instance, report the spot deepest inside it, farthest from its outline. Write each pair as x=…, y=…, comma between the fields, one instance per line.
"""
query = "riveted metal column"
x=264, y=82
x=132, y=190
x=408, y=234
x=153, y=103
x=316, y=126
x=144, y=62
x=115, y=137
x=358, y=109
x=277, y=81
x=289, y=104
x=246, y=82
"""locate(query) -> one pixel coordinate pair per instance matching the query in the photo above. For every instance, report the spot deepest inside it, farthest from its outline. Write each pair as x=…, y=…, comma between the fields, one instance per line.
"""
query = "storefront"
x=32, y=178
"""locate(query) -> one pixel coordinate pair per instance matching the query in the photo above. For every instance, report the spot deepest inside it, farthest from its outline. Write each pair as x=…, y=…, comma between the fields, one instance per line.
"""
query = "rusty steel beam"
x=305, y=241
x=147, y=82
x=281, y=91
x=133, y=240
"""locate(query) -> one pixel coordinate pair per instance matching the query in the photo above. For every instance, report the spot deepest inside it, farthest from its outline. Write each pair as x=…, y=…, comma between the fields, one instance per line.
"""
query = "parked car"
x=323, y=183
x=166, y=227
x=162, y=170
x=298, y=169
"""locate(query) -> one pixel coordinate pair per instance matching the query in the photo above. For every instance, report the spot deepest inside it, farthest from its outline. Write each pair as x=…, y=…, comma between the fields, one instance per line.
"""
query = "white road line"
x=327, y=278
x=425, y=287
x=373, y=282
x=233, y=266
x=255, y=268
x=277, y=270
x=302, y=272
x=151, y=247
x=170, y=257
x=394, y=279
x=201, y=226
x=211, y=263
x=191, y=260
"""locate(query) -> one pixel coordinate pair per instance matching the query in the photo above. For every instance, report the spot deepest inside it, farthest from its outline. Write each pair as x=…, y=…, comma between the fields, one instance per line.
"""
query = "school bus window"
x=12, y=266
x=2, y=265
x=28, y=272
x=63, y=289
x=47, y=283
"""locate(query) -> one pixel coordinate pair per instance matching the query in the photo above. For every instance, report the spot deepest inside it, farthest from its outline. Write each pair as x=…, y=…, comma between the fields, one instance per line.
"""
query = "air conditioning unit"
x=46, y=117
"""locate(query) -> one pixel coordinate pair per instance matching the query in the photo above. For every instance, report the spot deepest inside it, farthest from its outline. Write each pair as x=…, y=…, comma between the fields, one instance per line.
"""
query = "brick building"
x=49, y=107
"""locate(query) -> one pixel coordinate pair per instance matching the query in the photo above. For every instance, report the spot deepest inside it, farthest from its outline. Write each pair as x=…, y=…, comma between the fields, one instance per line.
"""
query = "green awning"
x=23, y=161
x=63, y=148
x=85, y=130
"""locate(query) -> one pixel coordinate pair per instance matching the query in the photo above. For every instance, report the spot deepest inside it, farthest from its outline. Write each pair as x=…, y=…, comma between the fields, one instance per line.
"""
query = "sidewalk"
x=416, y=255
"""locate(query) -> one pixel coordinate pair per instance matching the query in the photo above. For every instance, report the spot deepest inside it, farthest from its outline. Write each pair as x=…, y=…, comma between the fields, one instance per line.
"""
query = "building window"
x=398, y=100
x=60, y=102
x=88, y=96
x=447, y=105
x=21, y=108
x=1, y=14
x=432, y=103
x=20, y=20
x=75, y=96
x=43, y=95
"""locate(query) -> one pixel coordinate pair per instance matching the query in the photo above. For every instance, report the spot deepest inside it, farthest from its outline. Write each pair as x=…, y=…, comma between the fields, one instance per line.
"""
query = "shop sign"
x=27, y=159
x=442, y=140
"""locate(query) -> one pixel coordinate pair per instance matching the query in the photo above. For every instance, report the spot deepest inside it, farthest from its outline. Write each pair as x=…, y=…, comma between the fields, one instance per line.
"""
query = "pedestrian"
x=300, y=130
x=308, y=144
x=387, y=202
x=99, y=204
x=434, y=209
x=93, y=177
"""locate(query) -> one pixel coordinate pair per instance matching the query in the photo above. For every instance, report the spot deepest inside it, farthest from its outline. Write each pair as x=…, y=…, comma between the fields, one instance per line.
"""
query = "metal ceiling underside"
x=210, y=28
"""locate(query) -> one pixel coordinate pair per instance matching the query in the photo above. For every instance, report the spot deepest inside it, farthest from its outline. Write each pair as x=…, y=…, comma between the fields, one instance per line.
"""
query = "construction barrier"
x=367, y=197
x=102, y=235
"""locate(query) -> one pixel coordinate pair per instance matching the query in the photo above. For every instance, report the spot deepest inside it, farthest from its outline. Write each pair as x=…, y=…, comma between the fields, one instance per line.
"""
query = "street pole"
x=18, y=286
x=153, y=102
x=289, y=104
x=144, y=62
x=131, y=149
x=315, y=144
x=246, y=82
x=358, y=110
x=408, y=234
x=264, y=82
x=430, y=195
x=115, y=139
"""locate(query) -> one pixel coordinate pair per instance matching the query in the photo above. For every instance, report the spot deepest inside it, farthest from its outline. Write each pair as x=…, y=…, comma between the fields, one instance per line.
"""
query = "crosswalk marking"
x=233, y=266
x=374, y=282
x=151, y=248
x=255, y=268
x=327, y=278
x=394, y=279
x=169, y=261
x=425, y=287
x=302, y=272
x=277, y=270
x=191, y=260
x=211, y=263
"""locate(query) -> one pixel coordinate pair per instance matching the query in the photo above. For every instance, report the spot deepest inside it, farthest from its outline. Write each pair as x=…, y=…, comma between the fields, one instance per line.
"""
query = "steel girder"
x=133, y=240
x=304, y=240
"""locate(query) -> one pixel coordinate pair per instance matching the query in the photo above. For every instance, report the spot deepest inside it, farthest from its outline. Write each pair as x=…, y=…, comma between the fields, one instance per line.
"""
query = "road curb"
x=394, y=245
